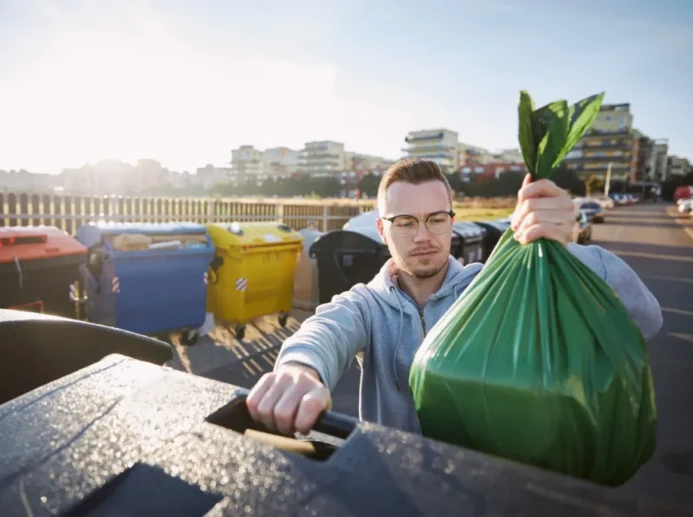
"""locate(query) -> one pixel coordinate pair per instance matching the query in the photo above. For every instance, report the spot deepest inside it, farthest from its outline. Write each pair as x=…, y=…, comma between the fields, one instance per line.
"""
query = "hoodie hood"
x=457, y=278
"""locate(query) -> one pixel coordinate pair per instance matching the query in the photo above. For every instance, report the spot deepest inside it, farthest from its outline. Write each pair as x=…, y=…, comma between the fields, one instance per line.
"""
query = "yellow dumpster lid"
x=230, y=235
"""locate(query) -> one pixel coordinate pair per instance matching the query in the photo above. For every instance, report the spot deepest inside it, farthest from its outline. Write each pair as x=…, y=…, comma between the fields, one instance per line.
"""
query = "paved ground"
x=658, y=246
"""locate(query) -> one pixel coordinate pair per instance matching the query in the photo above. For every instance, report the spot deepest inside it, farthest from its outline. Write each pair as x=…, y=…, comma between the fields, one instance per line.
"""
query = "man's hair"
x=414, y=171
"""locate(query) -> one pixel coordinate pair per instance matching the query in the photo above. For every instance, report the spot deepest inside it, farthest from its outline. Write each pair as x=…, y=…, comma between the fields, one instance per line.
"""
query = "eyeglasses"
x=407, y=225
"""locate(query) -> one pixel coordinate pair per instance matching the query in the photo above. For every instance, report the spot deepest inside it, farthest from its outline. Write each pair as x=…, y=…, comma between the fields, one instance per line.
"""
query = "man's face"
x=424, y=253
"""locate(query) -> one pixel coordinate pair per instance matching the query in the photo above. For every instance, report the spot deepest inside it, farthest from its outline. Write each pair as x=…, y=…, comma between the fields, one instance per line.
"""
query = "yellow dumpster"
x=252, y=274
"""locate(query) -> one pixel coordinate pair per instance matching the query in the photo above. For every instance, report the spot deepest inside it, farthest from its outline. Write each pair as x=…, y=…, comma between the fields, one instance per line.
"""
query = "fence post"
x=325, y=217
x=211, y=209
x=279, y=213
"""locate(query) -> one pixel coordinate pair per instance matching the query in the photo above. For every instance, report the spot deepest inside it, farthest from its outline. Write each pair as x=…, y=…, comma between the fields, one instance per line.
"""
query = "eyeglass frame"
x=418, y=221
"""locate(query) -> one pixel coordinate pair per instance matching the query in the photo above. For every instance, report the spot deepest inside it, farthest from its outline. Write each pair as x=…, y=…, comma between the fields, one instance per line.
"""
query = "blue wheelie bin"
x=147, y=278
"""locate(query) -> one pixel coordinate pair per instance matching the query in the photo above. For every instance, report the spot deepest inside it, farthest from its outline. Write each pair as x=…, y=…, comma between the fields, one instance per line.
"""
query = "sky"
x=185, y=82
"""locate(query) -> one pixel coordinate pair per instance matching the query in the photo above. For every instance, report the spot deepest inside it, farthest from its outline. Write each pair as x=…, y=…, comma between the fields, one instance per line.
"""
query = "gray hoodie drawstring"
x=399, y=338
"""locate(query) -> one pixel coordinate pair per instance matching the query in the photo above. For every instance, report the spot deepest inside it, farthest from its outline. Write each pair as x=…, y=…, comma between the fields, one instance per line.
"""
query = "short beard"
x=424, y=274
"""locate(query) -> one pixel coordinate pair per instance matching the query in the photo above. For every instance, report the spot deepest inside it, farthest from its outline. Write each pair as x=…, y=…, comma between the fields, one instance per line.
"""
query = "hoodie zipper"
x=423, y=321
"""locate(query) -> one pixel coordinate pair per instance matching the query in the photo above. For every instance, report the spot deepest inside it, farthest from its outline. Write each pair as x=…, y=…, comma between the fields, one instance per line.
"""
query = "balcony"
x=625, y=158
x=429, y=149
x=432, y=136
x=318, y=156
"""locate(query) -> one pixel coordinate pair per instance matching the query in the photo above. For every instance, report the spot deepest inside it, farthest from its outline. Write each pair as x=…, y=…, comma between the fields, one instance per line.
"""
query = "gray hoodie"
x=384, y=327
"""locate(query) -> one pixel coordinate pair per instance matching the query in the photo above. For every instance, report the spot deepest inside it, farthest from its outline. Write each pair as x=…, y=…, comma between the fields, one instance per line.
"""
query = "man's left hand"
x=543, y=210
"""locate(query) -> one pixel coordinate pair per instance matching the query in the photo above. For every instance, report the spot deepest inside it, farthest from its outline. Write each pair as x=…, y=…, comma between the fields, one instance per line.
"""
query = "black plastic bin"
x=471, y=238
x=39, y=267
x=37, y=349
x=494, y=231
x=127, y=438
x=346, y=258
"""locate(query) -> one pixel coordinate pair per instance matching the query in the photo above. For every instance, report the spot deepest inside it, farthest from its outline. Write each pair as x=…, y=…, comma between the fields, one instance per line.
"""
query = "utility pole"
x=608, y=180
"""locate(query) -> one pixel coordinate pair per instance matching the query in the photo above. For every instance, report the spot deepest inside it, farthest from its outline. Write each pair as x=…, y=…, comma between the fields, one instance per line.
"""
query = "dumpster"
x=124, y=437
x=494, y=231
x=306, y=293
x=346, y=258
x=471, y=238
x=147, y=278
x=252, y=274
x=39, y=266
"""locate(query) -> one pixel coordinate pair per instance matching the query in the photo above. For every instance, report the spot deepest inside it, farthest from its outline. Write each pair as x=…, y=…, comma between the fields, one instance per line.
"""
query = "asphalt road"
x=651, y=239
x=659, y=247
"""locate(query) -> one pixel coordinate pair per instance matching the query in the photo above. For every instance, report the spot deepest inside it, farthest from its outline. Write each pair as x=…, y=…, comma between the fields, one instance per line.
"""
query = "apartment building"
x=678, y=166
x=438, y=145
x=247, y=163
x=24, y=181
x=610, y=140
x=365, y=162
x=658, y=164
x=323, y=158
x=280, y=162
x=489, y=170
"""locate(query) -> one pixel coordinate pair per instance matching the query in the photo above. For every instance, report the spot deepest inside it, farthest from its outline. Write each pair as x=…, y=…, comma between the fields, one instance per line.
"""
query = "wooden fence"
x=71, y=212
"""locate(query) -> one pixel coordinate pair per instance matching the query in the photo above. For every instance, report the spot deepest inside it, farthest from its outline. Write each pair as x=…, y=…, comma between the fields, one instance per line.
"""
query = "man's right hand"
x=289, y=400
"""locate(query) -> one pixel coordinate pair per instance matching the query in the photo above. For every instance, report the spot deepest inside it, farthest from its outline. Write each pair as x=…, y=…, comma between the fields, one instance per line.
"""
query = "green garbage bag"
x=538, y=361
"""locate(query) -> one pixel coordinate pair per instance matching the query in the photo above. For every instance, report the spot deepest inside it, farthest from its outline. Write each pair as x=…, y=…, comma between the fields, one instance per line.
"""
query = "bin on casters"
x=346, y=258
x=147, y=278
x=252, y=274
x=471, y=241
x=39, y=265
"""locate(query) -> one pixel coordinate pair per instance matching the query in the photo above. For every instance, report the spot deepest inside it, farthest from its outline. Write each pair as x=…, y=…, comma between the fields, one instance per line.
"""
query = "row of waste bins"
x=152, y=278
x=155, y=278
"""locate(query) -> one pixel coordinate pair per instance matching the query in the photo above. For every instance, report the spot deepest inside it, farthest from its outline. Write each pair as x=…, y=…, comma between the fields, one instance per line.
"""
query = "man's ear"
x=381, y=230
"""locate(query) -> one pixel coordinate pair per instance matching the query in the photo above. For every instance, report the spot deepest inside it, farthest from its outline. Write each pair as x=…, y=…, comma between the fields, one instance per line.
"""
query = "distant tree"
x=369, y=185
x=567, y=179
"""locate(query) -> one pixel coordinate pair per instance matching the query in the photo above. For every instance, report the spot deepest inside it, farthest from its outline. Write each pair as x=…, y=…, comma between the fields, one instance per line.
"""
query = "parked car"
x=593, y=210
x=582, y=229
x=619, y=199
x=683, y=192
x=606, y=202
x=686, y=206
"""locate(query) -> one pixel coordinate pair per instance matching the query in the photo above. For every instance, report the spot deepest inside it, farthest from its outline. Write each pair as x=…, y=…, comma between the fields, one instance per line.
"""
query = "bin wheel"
x=189, y=338
x=240, y=332
x=283, y=318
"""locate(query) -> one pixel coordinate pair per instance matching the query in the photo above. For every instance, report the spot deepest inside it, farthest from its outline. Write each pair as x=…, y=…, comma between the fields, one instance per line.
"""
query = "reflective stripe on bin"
x=241, y=284
x=115, y=284
x=206, y=278
x=73, y=293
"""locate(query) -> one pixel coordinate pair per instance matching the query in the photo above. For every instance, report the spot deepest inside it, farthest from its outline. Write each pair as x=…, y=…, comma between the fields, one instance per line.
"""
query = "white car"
x=686, y=206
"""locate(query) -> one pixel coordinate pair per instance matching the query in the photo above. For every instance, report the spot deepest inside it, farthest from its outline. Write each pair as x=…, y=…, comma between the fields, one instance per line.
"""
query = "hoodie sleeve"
x=642, y=306
x=329, y=340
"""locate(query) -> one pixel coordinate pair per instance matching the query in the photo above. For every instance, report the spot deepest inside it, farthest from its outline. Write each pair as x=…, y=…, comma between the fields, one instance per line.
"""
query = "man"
x=385, y=321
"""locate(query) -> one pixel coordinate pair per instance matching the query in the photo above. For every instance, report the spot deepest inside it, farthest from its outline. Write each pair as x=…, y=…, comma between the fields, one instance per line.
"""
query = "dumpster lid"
x=225, y=236
x=36, y=242
x=501, y=227
x=92, y=233
x=366, y=219
x=467, y=229
x=346, y=241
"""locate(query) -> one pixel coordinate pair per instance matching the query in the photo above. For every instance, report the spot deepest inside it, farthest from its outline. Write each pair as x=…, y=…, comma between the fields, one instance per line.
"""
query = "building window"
x=467, y=169
x=479, y=169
